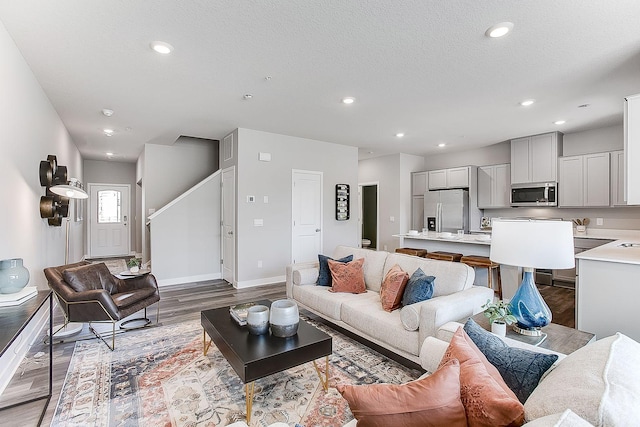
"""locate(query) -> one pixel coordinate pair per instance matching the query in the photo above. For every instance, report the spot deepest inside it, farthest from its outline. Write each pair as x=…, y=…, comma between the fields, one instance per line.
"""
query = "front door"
x=228, y=225
x=306, y=210
x=109, y=219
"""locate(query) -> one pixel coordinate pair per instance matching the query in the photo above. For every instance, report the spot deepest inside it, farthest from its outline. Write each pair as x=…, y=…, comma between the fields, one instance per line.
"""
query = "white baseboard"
x=258, y=282
x=188, y=279
x=12, y=357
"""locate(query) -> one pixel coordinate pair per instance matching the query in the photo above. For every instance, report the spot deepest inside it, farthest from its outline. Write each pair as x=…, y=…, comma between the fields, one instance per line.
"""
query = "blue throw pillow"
x=521, y=369
x=324, y=274
x=419, y=288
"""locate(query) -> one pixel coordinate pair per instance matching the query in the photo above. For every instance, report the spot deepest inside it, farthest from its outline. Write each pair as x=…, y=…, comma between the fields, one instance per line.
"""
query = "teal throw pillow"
x=324, y=274
x=419, y=288
x=521, y=369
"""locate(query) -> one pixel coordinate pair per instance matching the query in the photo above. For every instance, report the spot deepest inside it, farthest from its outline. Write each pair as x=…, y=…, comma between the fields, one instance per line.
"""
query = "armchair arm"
x=93, y=305
x=138, y=282
x=295, y=267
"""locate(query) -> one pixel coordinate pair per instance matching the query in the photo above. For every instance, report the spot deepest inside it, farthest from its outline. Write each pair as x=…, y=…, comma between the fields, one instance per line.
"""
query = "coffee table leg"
x=248, y=390
x=205, y=346
x=324, y=381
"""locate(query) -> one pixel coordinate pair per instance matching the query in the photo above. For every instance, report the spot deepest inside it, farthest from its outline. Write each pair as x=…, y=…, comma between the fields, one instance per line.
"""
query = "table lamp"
x=531, y=244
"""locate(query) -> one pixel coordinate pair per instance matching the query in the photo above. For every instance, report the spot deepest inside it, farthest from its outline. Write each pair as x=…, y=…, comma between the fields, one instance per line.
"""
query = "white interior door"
x=109, y=220
x=228, y=225
x=306, y=212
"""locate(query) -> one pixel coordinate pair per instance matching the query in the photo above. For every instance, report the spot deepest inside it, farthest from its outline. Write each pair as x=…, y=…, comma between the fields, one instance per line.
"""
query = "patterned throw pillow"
x=521, y=369
x=487, y=400
x=347, y=277
x=392, y=288
x=324, y=275
x=430, y=401
x=419, y=288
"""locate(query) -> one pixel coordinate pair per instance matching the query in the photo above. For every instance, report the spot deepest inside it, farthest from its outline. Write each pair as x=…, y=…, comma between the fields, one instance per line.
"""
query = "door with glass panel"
x=109, y=219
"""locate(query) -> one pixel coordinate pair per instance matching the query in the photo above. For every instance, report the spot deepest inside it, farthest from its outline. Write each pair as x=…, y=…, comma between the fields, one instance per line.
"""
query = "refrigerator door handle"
x=438, y=217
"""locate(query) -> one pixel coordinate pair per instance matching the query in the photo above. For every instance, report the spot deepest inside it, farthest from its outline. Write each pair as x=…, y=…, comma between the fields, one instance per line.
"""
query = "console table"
x=13, y=320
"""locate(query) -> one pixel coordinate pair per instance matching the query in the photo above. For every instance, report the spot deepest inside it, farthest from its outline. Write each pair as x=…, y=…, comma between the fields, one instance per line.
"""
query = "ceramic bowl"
x=284, y=318
x=413, y=232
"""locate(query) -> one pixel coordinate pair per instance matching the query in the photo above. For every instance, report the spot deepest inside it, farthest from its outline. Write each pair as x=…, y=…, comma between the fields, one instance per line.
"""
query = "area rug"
x=159, y=377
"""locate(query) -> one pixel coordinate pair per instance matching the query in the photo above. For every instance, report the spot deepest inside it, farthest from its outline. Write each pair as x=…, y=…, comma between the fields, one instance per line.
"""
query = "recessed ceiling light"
x=559, y=122
x=109, y=154
x=108, y=132
x=107, y=112
x=442, y=144
x=348, y=100
x=527, y=102
x=399, y=135
x=499, y=30
x=161, y=47
x=247, y=96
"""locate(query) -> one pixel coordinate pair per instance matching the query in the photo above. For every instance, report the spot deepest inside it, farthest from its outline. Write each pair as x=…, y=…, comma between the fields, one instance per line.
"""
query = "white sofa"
x=401, y=331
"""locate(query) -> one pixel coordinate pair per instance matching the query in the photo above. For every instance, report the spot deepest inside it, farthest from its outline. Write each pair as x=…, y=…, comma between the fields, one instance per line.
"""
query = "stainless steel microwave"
x=538, y=194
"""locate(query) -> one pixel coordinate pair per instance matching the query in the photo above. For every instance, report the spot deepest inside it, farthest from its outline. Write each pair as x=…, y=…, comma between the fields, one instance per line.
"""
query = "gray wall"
x=110, y=172
x=31, y=130
x=271, y=243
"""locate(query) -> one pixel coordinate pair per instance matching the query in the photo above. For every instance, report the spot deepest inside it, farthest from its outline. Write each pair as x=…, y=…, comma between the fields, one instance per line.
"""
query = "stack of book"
x=239, y=312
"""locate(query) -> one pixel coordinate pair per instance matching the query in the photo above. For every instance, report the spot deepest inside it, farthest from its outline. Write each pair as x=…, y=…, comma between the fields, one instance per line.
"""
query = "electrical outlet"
x=599, y=221
x=251, y=199
x=392, y=219
x=385, y=247
x=260, y=264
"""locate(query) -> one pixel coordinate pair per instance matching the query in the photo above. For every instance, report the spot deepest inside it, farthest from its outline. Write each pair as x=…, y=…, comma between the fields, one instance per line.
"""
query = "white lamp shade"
x=532, y=243
x=72, y=190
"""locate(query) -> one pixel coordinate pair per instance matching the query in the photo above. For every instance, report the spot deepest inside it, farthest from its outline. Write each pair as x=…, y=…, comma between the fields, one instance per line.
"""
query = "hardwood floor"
x=180, y=303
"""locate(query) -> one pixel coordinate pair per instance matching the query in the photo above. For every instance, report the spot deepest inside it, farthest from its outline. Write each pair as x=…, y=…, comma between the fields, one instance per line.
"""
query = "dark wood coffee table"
x=257, y=356
x=556, y=337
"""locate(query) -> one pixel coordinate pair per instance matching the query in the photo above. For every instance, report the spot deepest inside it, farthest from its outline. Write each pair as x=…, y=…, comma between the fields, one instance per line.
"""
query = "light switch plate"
x=599, y=221
x=258, y=222
x=265, y=199
x=251, y=199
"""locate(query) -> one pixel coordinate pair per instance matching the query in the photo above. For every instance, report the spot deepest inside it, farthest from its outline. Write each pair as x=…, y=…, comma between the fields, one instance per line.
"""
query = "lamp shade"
x=72, y=189
x=532, y=243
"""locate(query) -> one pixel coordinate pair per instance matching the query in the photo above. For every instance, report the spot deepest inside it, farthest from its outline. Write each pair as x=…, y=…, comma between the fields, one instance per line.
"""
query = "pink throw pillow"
x=392, y=288
x=347, y=277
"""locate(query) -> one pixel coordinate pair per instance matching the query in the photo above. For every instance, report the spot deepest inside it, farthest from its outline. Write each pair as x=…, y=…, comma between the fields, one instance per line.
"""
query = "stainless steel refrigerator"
x=447, y=210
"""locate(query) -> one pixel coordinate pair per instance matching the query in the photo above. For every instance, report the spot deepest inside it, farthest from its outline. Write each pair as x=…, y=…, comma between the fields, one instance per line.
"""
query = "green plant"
x=133, y=262
x=499, y=311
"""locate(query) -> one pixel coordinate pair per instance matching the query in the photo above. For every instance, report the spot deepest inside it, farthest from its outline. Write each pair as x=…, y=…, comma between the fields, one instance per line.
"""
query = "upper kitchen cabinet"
x=534, y=159
x=449, y=178
x=494, y=186
x=632, y=149
x=584, y=180
x=617, y=178
x=418, y=183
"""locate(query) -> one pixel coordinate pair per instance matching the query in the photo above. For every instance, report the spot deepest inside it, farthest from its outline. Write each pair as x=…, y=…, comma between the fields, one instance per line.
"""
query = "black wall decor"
x=52, y=206
x=342, y=202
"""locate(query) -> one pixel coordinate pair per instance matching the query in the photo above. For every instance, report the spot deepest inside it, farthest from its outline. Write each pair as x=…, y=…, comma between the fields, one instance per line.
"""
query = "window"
x=109, y=207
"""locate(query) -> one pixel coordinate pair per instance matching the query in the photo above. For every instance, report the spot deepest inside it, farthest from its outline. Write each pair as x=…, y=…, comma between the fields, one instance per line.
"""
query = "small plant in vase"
x=499, y=315
x=134, y=265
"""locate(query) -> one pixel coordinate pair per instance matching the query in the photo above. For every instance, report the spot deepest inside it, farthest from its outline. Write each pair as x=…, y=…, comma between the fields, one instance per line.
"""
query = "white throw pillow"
x=305, y=276
x=600, y=382
x=410, y=317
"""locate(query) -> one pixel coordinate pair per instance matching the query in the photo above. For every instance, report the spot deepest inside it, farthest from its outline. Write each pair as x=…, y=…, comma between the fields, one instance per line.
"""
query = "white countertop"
x=614, y=252
x=476, y=239
x=607, y=234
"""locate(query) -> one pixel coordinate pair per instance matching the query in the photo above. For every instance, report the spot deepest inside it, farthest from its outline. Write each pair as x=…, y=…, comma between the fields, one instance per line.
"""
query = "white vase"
x=284, y=318
x=499, y=328
x=134, y=270
x=258, y=319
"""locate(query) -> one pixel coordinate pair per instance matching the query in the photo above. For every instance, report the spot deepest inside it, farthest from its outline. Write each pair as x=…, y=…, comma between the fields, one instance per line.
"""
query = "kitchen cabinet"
x=418, y=183
x=494, y=186
x=584, y=180
x=417, y=213
x=632, y=149
x=534, y=159
x=449, y=178
x=617, y=178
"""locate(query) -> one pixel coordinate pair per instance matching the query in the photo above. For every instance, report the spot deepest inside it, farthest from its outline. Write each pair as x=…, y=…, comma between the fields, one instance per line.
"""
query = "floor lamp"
x=73, y=190
x=531, y=244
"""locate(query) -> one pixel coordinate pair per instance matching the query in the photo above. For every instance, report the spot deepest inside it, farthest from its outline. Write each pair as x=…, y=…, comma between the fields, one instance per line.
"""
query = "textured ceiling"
x=420, y=67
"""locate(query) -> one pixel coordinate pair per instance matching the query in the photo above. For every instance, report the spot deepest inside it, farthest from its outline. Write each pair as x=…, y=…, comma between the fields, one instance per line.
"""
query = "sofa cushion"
x=419, y=288
x=600, y=382
x=431, y=401
x=329, y=304
x=568, y=418
x=347, y=277
x=486, y=398
x=90, y=277
x=324, y=274
x=305, y=276
x=365, y=314
x=520, y=369
x=392, y=288
x=374, y=262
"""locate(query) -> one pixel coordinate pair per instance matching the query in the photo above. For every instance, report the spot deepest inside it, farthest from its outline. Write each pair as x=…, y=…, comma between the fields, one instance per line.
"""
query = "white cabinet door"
x=438, y=179
x=418, y=183
x=417, y=213
x=485, y=183
x=502, y=186
x=617, y=178
x=458, y=177
x=596, y=179
x=632, y=149
x=544, y=158
x=570, y=184
x=520, y=161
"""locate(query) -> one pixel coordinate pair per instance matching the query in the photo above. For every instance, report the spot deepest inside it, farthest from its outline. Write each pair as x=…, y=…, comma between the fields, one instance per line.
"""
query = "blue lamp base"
x=529, y=308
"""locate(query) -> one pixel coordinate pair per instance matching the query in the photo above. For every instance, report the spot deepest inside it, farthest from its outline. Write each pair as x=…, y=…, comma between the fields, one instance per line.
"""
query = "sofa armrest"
x=296, y=267
x=460, y=305
x=431, y=353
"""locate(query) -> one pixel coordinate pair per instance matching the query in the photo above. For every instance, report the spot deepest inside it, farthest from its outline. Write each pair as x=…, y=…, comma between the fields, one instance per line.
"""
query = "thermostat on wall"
x=264, y=157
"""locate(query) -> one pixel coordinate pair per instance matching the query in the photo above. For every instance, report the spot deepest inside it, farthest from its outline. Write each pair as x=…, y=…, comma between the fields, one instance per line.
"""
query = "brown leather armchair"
x=90, y=293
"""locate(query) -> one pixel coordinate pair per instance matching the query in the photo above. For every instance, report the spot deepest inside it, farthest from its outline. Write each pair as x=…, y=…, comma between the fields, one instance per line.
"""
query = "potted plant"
x=499, y=315
x=134, y=265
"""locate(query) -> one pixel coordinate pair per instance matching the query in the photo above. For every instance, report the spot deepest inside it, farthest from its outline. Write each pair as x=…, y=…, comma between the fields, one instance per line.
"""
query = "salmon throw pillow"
x=392, y=288
x=347, y=277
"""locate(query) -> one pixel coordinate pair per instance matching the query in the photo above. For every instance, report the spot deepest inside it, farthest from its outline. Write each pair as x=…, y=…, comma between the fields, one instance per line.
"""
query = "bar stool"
x=411, y=251
x=444, y=256
x=476, y=261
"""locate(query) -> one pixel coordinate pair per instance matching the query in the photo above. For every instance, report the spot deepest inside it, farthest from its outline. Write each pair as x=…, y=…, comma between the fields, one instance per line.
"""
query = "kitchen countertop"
x=476, y=239
x=614, y=252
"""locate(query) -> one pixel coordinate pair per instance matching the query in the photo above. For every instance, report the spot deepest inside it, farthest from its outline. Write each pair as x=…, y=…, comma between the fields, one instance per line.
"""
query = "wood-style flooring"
x=181, y=303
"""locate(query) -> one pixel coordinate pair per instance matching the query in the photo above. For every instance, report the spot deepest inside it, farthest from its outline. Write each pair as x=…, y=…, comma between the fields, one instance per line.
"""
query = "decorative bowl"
x=284, y=318
x=13, y=276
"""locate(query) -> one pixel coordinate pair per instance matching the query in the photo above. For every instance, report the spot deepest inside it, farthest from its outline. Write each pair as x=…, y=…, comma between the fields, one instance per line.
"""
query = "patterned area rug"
x=159, y=377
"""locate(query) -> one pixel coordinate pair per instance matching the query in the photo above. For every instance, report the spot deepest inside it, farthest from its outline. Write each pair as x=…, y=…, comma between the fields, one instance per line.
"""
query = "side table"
x=558, y=338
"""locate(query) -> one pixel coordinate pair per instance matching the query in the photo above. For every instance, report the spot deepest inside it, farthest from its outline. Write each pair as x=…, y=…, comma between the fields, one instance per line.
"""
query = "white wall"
x=30, y=130
x=608, y=138
x=490, y=155
x=271, y=243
